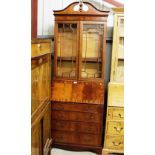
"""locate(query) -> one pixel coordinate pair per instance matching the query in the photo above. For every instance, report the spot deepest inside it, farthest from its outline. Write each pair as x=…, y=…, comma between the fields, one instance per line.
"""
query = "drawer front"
x=115, y=128
x=77, y=107
x=74, y=138
x=94, y=128
x=114, y=142
x=116, y=95
x=40, y=48
x=76, y=116
x=115, y=113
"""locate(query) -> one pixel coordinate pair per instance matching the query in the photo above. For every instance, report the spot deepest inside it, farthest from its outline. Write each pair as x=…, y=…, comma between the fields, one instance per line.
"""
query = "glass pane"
x=66, y=50
x=89, y=70
x=92, y=44
x=66, y=69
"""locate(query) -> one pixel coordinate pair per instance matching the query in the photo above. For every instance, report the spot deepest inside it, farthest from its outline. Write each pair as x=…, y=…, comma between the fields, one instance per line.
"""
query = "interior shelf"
x=91, y=59
x=66, y=58
x=120, y=59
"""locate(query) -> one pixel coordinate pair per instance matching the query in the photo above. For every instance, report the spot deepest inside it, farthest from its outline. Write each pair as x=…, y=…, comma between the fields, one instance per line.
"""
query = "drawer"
x=115, y=113
x=115, y=128
x=74, y=138
x=77, y=107
x=83, y=127
x=76, y=116
x=114, y=142
x=40, y=48
x=116, y=94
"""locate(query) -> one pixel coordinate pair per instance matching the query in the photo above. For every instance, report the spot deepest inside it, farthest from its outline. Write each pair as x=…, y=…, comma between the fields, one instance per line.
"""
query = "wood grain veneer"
x=77, y=91
x=40, y=97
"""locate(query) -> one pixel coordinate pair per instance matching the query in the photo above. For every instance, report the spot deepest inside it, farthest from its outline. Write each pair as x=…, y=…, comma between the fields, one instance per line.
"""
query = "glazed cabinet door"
x=91, y=50
x=66, y=47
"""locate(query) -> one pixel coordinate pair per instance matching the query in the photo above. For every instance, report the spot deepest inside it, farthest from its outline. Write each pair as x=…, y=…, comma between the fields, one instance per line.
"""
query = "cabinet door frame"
x=55, y=50
x=103, y=50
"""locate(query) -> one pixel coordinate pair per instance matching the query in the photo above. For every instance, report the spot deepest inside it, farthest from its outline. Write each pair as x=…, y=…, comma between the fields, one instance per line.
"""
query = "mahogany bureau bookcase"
x=40, y=96
x=77, y=91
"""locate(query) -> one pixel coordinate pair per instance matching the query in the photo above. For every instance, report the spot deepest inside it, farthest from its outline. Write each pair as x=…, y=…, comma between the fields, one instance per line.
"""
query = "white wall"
x=46, y=18
x=45, y=14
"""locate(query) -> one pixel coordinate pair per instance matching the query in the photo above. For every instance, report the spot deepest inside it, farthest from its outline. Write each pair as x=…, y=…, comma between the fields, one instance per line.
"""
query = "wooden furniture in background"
x=34, y=13
x=117, y=62
x=40, y=96
x=77, y=91
x=114, y=133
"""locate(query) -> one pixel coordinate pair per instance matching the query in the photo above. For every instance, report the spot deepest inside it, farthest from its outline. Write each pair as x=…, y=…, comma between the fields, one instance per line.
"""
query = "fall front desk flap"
x=78, y=91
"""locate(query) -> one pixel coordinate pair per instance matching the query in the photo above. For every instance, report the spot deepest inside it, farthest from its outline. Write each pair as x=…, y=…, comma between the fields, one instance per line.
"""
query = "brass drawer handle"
x=109, y=114
x=116, y=144
x=118, y=129
x=120, y=115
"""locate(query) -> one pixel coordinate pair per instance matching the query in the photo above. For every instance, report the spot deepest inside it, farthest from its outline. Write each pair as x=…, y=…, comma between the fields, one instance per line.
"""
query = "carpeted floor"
x=56, y=151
